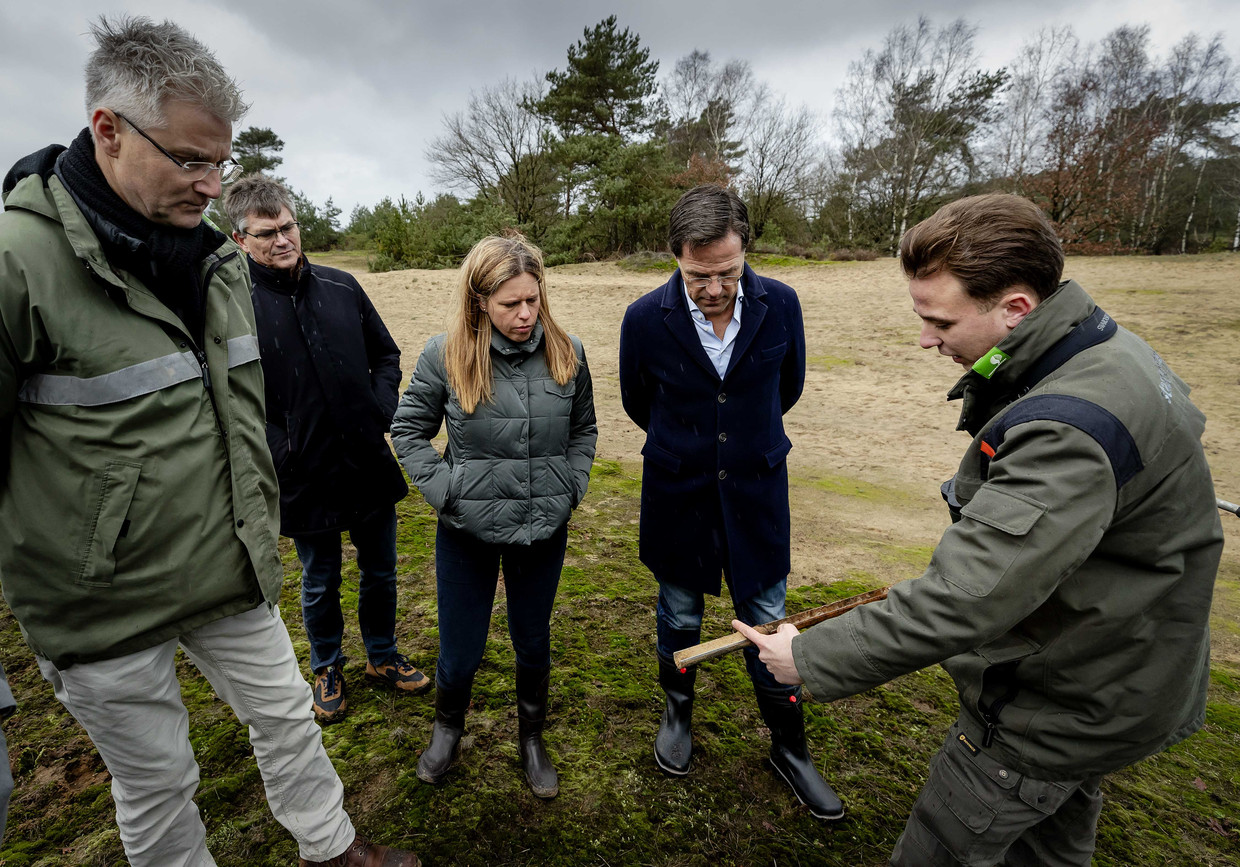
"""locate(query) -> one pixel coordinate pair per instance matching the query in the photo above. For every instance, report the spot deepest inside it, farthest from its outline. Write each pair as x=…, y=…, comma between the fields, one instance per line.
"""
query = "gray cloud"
x=358, y=90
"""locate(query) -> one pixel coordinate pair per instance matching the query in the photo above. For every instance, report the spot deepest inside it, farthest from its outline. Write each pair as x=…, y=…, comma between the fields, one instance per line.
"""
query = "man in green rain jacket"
x=138, y=502
x=1070, y=598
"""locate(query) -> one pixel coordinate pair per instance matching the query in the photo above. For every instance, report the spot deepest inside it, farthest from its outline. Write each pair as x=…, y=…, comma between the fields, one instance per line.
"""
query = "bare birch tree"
x=497, y=149
x=931, y=101
x=1021, y=127
x=782, y=145
x=709, y=107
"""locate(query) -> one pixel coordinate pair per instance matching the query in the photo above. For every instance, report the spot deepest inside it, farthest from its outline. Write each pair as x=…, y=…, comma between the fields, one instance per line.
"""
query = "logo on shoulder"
x=1102, y=323
x=990, y=362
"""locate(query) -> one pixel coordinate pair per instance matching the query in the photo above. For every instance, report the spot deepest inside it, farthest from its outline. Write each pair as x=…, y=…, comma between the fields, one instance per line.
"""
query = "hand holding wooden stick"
x=803, y=620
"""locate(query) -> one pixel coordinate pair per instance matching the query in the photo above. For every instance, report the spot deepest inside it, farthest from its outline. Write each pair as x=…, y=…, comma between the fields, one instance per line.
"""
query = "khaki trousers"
x=974, y=811
x=131, y=708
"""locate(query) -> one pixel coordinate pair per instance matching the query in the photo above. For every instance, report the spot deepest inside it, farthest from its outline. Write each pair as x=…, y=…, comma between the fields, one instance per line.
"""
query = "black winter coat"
x=332, y=376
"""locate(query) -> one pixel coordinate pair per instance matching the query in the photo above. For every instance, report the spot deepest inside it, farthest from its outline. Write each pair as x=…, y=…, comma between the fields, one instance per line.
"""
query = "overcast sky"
x=358, y=89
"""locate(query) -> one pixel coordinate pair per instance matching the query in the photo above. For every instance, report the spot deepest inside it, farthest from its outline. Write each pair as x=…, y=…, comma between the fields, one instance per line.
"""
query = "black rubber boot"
x=673, y=745
x=790, y=755
x=441, y=752
x=532, y=687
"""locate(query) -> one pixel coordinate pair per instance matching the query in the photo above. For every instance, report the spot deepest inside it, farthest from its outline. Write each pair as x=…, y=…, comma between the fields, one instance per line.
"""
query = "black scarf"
x=165, y=258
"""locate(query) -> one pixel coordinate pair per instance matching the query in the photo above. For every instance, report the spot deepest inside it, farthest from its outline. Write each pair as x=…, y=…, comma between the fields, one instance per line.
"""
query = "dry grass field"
x=874, y=436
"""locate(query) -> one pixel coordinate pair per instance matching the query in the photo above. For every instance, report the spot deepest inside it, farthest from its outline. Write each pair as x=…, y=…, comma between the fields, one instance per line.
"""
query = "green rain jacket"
x=137, y=495
x=1070, y=601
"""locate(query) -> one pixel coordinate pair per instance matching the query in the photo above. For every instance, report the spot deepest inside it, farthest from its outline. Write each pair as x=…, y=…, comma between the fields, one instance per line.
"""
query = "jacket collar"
x=676, y=316
x=506, y=347
x=1045, y=326
x=288, y=281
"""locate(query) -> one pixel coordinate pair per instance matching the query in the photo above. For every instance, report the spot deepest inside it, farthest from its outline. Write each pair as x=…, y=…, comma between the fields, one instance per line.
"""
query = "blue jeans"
x=375, y=541
x=466, y=573
x=680, y=625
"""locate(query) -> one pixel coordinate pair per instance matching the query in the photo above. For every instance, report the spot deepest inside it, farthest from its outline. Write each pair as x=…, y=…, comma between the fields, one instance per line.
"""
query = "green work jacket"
x=1070, y=602
x=137, y=495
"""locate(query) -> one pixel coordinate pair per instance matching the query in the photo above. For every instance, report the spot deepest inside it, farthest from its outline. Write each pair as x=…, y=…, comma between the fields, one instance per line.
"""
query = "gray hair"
x=139, y=65
x=256, y=196
x=707, y=214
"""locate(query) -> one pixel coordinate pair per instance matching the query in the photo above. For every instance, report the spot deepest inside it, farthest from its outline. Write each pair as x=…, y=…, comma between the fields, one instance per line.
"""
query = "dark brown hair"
x=707, y=214
x=990, y=244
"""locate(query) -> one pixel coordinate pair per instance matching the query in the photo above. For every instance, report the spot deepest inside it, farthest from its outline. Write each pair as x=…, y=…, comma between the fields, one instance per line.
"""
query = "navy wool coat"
x=715, y=478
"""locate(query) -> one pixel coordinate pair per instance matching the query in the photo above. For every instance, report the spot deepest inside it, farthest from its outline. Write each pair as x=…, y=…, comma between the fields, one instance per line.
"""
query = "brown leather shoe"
x=399, y=674
x=363, y=853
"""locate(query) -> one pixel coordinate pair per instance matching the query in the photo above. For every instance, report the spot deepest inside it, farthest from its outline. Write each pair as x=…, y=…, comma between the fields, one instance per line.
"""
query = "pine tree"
x=607, y=88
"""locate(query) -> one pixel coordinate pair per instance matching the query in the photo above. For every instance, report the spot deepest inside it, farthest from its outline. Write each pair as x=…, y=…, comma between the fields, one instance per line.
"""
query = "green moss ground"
x=615, y=808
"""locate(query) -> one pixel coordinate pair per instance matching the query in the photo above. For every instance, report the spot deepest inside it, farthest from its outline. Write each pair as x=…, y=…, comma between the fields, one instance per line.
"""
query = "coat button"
x=1003, y=775
x=217, y=340
x=723, y=474
x=241, y=522
x=723, y=437
x=723, y=398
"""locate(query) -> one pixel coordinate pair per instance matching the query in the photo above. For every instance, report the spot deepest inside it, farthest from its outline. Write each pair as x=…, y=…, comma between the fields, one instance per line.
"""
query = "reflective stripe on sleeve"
x=242, y=350
x=147, y=377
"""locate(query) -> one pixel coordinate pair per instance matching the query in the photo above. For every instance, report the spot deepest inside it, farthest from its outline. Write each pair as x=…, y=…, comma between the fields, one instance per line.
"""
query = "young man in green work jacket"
x=1070, y=597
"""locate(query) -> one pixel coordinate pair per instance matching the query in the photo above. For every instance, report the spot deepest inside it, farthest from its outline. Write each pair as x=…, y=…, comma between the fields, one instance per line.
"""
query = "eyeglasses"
x=704, y=282
x=228, y=169
x=288, y=230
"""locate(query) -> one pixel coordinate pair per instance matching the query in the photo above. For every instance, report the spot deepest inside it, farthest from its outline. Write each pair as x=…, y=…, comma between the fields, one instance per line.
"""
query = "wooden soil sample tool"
x=803, y=620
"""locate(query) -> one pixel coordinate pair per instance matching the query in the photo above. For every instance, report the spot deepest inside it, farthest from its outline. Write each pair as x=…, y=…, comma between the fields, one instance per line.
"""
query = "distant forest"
x=1126, y=151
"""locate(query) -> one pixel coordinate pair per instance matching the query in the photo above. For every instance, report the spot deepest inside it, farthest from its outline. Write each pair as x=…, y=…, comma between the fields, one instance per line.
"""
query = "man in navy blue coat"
x=709, y=364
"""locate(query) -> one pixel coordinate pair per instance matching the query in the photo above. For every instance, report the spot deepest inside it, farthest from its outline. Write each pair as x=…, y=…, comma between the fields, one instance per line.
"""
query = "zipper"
x=990, y=714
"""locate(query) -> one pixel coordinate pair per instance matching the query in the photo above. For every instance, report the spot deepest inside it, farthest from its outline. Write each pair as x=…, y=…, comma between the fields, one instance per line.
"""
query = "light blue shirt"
x=718, y=350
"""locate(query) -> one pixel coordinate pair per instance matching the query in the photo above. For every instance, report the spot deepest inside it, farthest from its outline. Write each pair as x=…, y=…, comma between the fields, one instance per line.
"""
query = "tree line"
x=1126, y=151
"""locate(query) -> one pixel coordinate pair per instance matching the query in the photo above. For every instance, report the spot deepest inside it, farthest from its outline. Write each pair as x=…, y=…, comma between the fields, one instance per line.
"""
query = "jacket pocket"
x=455, y=483
x=661, y=457
x=283, y=442
x=774, y=351
x=109, y=522
x=567, y=390
x=775, y=456
x=1008, y=647
x=1008, y=512
x=984, y=556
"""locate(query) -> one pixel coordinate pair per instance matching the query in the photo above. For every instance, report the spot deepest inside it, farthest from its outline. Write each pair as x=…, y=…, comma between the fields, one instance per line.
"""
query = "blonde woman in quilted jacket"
x=514, y=391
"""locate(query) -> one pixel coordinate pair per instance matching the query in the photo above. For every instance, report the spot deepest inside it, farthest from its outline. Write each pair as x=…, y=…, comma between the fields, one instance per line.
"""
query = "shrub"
x=384, y=262
x=851, y=254
x=648, y=260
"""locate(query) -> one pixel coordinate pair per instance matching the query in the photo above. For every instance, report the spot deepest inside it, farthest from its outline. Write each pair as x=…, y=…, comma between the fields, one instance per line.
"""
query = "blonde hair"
x=467, y=350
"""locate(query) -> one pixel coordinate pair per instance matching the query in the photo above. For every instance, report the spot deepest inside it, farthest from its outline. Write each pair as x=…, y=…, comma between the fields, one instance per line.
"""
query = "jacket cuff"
x=831, y=663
